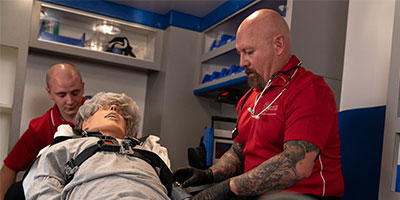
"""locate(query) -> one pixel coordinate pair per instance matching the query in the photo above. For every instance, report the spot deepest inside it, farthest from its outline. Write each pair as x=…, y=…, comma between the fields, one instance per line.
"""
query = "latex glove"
x=190, y=176
x=219, y=191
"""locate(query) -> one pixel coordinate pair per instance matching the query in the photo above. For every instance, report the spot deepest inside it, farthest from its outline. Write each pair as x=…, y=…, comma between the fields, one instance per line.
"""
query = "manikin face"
x=67, y=94
x=108, y=120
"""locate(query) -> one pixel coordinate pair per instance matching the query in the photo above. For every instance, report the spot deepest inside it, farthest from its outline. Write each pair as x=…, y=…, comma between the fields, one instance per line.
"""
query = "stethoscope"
x=258, y=97
x=269, y=83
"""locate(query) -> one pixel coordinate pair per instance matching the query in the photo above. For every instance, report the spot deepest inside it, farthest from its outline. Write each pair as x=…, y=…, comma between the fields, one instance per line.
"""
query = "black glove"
x=218, y=191
x=189, y=176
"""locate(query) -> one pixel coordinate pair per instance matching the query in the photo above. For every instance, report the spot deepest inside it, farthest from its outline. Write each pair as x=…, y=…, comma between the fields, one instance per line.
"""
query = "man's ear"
x=279, y=43
x=49, y=93
x=83, y=87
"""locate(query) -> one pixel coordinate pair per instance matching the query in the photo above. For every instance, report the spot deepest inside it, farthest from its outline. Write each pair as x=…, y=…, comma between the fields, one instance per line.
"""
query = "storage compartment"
x=84, y=34
x=220, y=72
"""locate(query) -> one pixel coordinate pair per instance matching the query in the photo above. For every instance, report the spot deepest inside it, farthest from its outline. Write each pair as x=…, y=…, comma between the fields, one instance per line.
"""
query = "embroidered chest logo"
x=272, y=110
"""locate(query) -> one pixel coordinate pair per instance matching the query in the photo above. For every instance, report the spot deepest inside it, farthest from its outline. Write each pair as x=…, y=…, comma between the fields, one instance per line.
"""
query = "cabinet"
x=78, y=29
x=224, y=56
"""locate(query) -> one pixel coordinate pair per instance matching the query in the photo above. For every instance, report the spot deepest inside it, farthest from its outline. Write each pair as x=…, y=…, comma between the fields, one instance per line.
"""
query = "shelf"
x=146, y=42
x=229, y=47
x=226, y=55
x=5, y=108
x=82, y=52
x=215, y=87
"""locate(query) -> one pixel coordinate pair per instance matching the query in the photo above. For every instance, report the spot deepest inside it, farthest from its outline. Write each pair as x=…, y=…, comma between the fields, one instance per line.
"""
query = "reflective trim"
x=322, y=176
x=51, y=117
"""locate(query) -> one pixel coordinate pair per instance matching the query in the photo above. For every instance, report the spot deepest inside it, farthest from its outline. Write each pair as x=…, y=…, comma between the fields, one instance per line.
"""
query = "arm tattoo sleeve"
x=230, y=164
x=278, y=172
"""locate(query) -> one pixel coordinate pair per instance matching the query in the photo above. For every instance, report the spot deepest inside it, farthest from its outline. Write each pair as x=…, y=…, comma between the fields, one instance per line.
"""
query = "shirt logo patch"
x=271, y=110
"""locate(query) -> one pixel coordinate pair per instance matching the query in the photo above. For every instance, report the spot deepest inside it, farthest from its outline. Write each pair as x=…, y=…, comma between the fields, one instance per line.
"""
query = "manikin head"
x=65, y=87
x=264, y=45
x=113, y=114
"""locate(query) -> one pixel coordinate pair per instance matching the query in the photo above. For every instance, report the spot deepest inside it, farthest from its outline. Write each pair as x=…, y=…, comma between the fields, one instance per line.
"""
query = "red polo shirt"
x=305, y=111
x=39, y=134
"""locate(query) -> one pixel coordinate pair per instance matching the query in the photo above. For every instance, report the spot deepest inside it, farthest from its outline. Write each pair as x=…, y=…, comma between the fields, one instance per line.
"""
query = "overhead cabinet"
x=220, y=72
x=67, y=31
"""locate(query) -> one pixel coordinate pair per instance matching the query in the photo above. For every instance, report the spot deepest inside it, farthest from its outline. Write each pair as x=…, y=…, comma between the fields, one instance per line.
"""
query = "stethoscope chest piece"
x=252, y=114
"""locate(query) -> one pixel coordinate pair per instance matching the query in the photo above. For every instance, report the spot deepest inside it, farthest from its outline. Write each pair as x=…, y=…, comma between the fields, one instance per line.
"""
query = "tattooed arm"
x=279, y=172
x=230, y=164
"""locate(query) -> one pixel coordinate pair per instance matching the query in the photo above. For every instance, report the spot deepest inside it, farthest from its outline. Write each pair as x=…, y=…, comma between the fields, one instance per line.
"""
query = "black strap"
x=163, y=172
x=235, y=130
x=107, y=143
x=101, y=145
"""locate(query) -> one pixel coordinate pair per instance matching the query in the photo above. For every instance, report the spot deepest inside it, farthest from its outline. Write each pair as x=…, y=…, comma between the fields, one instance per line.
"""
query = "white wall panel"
x=367, y=53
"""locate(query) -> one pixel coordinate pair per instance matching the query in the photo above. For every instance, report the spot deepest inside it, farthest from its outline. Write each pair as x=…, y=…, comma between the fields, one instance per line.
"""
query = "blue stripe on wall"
x=182, y=20
x=114, y=10
x=172, y=18
x=223, y=11
x=361, y=135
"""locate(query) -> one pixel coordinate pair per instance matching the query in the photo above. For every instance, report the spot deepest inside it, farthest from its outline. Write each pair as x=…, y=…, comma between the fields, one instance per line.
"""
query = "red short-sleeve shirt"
x=305, y=111
x=39, y=134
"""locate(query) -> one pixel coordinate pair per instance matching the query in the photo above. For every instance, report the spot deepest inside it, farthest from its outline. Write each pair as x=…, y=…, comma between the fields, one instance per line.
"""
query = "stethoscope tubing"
x=259, y=96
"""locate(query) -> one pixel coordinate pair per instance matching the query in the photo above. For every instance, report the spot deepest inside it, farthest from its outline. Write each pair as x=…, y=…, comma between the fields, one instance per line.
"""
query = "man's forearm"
x=230, y=164
x=279, y=172
x=274, y=174
x=7, y=178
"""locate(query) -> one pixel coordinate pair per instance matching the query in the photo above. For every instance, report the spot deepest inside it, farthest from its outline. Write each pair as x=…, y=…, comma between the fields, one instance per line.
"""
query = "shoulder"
x=310, y=89
x=307, y=81
x=39, y=123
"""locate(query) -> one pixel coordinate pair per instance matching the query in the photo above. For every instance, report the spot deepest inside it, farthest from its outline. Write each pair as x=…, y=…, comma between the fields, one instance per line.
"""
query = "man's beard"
x=257, y=81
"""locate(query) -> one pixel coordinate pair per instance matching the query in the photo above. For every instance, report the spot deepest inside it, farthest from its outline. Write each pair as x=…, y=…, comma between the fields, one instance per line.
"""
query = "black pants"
x=15, y=192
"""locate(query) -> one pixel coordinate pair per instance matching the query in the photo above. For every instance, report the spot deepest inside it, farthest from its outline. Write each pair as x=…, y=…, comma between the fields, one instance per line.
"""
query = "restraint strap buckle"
x=70, y=170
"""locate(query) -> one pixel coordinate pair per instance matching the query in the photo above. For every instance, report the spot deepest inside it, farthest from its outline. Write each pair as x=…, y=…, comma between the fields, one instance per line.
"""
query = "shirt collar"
x=56, y=118
x=281, y=79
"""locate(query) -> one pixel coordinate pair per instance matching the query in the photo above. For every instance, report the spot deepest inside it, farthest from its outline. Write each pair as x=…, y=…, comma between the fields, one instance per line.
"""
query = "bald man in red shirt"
x=287, y=132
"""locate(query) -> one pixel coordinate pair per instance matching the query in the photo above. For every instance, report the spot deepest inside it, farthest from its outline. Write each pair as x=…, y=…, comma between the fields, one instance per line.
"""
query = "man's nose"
x=69, y=99
x=243, y=62
x=113, y=107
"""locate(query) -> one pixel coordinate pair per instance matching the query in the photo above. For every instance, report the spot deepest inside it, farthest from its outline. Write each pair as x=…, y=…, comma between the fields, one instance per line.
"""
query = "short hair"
x=71, y=69
x=128, y=108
